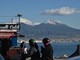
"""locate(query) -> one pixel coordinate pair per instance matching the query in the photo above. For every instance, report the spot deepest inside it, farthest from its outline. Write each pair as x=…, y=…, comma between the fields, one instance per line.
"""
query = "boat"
x=8, y=40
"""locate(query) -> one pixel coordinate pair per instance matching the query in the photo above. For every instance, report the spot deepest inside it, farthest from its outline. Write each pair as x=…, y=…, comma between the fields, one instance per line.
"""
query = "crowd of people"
x=46, y=52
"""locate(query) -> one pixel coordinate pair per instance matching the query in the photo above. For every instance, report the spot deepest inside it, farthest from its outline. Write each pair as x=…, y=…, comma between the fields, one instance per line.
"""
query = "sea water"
x=61, y=48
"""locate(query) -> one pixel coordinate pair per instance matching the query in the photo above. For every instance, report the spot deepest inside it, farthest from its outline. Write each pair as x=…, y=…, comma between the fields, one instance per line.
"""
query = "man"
x=33, y=51
x=47, y=50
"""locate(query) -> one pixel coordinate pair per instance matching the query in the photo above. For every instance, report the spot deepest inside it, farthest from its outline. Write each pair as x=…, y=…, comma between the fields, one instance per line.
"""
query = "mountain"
x=48, y=28
x=54, y=22
x=26, y=21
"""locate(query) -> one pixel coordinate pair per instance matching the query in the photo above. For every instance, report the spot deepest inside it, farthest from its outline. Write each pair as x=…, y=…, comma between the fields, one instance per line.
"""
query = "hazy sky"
x=66, y=11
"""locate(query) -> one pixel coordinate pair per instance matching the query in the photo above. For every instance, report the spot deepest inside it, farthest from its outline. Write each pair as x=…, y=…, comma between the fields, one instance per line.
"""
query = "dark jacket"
x=47, y=52
x=34, y=53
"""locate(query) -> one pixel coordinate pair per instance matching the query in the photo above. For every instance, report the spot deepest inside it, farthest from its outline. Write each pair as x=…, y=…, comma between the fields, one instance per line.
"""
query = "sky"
x=66, y=11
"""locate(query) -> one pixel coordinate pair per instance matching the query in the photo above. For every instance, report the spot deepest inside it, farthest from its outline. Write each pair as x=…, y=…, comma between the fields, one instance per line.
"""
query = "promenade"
x=54, y=59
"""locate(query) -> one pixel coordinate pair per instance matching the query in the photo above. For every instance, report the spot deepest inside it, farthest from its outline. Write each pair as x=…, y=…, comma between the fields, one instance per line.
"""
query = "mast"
x=19, y=16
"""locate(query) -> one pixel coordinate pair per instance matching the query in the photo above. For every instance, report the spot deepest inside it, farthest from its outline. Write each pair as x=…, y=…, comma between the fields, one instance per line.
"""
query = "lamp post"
x=19, y=15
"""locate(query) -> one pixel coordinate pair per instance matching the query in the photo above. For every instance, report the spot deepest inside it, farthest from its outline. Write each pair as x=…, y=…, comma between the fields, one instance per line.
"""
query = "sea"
x=61, y=48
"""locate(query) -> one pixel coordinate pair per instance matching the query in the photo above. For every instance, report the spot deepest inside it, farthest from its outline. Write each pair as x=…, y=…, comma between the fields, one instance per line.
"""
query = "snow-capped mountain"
x=26, y=21
x=49, y=28
x=51, y=21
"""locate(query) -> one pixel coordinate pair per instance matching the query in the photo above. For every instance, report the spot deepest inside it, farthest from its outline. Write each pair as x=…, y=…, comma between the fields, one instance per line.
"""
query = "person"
x=22, y=47
x=33, y=51
x=5, y=45
x=47, y=50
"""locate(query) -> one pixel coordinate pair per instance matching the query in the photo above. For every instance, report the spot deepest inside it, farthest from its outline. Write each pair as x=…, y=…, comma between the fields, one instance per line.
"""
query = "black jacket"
x=47, y=52
x=34, y=53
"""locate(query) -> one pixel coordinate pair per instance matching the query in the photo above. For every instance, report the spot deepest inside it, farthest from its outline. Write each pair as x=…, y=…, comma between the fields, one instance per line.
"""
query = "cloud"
x=61, y=11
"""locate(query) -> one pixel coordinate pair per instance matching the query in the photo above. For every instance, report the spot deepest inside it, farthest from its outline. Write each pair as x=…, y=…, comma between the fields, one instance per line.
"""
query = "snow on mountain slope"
x=26, y=21
x=54, y=22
